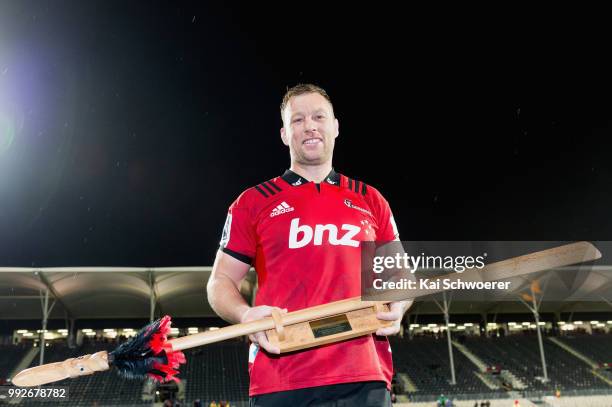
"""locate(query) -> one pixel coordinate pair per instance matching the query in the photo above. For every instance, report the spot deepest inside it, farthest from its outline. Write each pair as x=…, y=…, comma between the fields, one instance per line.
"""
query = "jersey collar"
x=294, y=179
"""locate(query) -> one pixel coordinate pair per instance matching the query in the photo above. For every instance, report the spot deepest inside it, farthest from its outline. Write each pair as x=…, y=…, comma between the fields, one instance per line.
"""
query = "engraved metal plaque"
x=330, y=326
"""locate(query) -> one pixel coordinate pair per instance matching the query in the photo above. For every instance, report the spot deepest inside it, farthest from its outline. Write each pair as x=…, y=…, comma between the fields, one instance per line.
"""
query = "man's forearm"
x=225, y=299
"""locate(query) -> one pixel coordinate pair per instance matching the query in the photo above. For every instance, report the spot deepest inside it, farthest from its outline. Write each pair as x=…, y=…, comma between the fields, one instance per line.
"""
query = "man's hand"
x=395, y=314
x=260, y=338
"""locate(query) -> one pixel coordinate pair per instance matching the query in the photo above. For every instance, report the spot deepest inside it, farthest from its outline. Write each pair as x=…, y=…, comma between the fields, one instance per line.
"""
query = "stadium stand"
x=217, y=372
x=520, y=355
x=425, y=361
x=11, y=355
x=596, y=347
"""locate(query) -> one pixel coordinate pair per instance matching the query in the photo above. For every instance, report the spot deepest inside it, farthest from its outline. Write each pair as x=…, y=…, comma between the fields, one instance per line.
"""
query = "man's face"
x=309, y=129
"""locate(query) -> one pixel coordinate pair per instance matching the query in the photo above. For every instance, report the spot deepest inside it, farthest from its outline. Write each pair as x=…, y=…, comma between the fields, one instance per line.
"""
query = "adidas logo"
x=280, y=209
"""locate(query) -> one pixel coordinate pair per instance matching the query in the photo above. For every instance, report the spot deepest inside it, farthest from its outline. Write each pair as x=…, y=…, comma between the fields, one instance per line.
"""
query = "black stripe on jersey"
x=357, y=185
x=270, y=190
x=273, y=185
x=350, y=183
x=261, y=191
x=238, y=256
x=363, y=188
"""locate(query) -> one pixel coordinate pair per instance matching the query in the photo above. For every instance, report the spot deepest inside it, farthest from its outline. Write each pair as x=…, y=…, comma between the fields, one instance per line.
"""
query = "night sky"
x=128, y=128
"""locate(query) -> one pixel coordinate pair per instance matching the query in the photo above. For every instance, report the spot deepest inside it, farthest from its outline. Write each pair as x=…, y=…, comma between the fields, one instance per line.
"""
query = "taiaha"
x=151, y=354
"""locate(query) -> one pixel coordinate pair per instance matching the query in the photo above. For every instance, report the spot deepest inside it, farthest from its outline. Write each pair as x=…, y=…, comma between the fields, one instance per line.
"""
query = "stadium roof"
x=107, y=292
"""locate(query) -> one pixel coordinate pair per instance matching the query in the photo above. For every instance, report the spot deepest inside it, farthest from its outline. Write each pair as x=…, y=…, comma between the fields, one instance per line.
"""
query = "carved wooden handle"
x=86, y=364
x=52, y=372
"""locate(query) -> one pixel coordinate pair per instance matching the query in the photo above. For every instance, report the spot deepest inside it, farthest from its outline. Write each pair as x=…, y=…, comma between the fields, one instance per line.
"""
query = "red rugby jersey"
x=304, y=242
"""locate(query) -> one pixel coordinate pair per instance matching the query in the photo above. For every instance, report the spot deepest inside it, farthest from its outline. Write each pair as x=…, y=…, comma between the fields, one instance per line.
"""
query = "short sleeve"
x=387, y=229
x=238, y=238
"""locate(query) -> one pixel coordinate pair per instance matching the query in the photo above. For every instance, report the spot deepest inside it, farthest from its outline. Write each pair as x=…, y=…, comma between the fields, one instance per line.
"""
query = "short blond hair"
x=301, y=89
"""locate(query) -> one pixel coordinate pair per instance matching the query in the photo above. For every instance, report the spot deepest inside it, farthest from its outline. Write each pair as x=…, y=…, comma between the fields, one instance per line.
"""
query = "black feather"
x=134, y=358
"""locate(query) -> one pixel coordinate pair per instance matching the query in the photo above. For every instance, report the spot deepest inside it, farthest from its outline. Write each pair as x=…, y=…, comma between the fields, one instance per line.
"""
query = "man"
x=302, y=232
